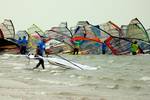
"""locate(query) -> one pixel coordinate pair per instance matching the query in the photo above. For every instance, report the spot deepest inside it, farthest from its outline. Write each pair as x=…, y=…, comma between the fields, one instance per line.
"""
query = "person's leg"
x=133, y=53
x=74, y=51
x=42, y=63
x=25, y=49
x=37, y=64
x=77, y=50
x=21, y=50
x=103, y=51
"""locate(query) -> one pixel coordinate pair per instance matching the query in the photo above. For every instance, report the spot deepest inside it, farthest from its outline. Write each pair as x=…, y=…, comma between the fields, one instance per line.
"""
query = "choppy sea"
x=117, y=78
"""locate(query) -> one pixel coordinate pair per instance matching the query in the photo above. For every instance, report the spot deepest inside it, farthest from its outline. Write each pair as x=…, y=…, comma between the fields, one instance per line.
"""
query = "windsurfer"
x=42, y=46
x=134, y=48
x=76, y=51
x=76, y=48
x=19, y=43
x=39, y=57
x=23, y=48
x=39, y=54
x=103, y=48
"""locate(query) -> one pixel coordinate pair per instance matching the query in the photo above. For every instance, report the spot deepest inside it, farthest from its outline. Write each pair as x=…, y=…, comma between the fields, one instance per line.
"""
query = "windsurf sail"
x=8, y=46
x=112, y=29
x=120, y=40
x=63, y=39
x=83, y=38
x=22, y=33
x=35, y=36
x=53, y=46
x=62, y=29
x=148, y=31
x=34, y=39
x=35, y=29
x=88, y=38
x=116, y=45
x=8, y=29
x=124, y=29
x=1, y=34
x=58, y=36
x=137, y=31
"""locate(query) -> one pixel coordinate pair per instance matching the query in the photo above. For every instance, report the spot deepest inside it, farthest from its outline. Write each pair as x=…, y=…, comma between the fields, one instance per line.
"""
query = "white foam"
x=17, y=68
x=145, y=78
x=116, y=86
x=43, y=70
x=28, y=78
x=43, y=93
x=72, y=76
x=56, y=82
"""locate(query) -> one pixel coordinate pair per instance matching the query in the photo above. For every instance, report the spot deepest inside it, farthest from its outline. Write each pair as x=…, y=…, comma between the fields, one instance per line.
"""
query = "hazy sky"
x=48, y=13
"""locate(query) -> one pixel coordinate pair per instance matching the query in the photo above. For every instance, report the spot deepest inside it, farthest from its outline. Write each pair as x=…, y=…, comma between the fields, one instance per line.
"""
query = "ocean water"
x=117, y=78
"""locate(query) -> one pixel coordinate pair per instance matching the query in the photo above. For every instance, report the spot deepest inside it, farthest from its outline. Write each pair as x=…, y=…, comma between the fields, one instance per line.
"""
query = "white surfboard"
x=63, y=63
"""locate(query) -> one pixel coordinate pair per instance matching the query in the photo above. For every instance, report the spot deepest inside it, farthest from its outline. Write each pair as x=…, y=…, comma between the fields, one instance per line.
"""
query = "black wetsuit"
x=76, y=50
x=23, y=49
x=41, y=60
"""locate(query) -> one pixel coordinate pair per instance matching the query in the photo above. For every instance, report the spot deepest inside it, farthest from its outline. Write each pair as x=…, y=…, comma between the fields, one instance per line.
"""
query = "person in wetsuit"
x=39, y=54
x=103, y=48
x=76, y=48
x=23, y=45
x=134, y=48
